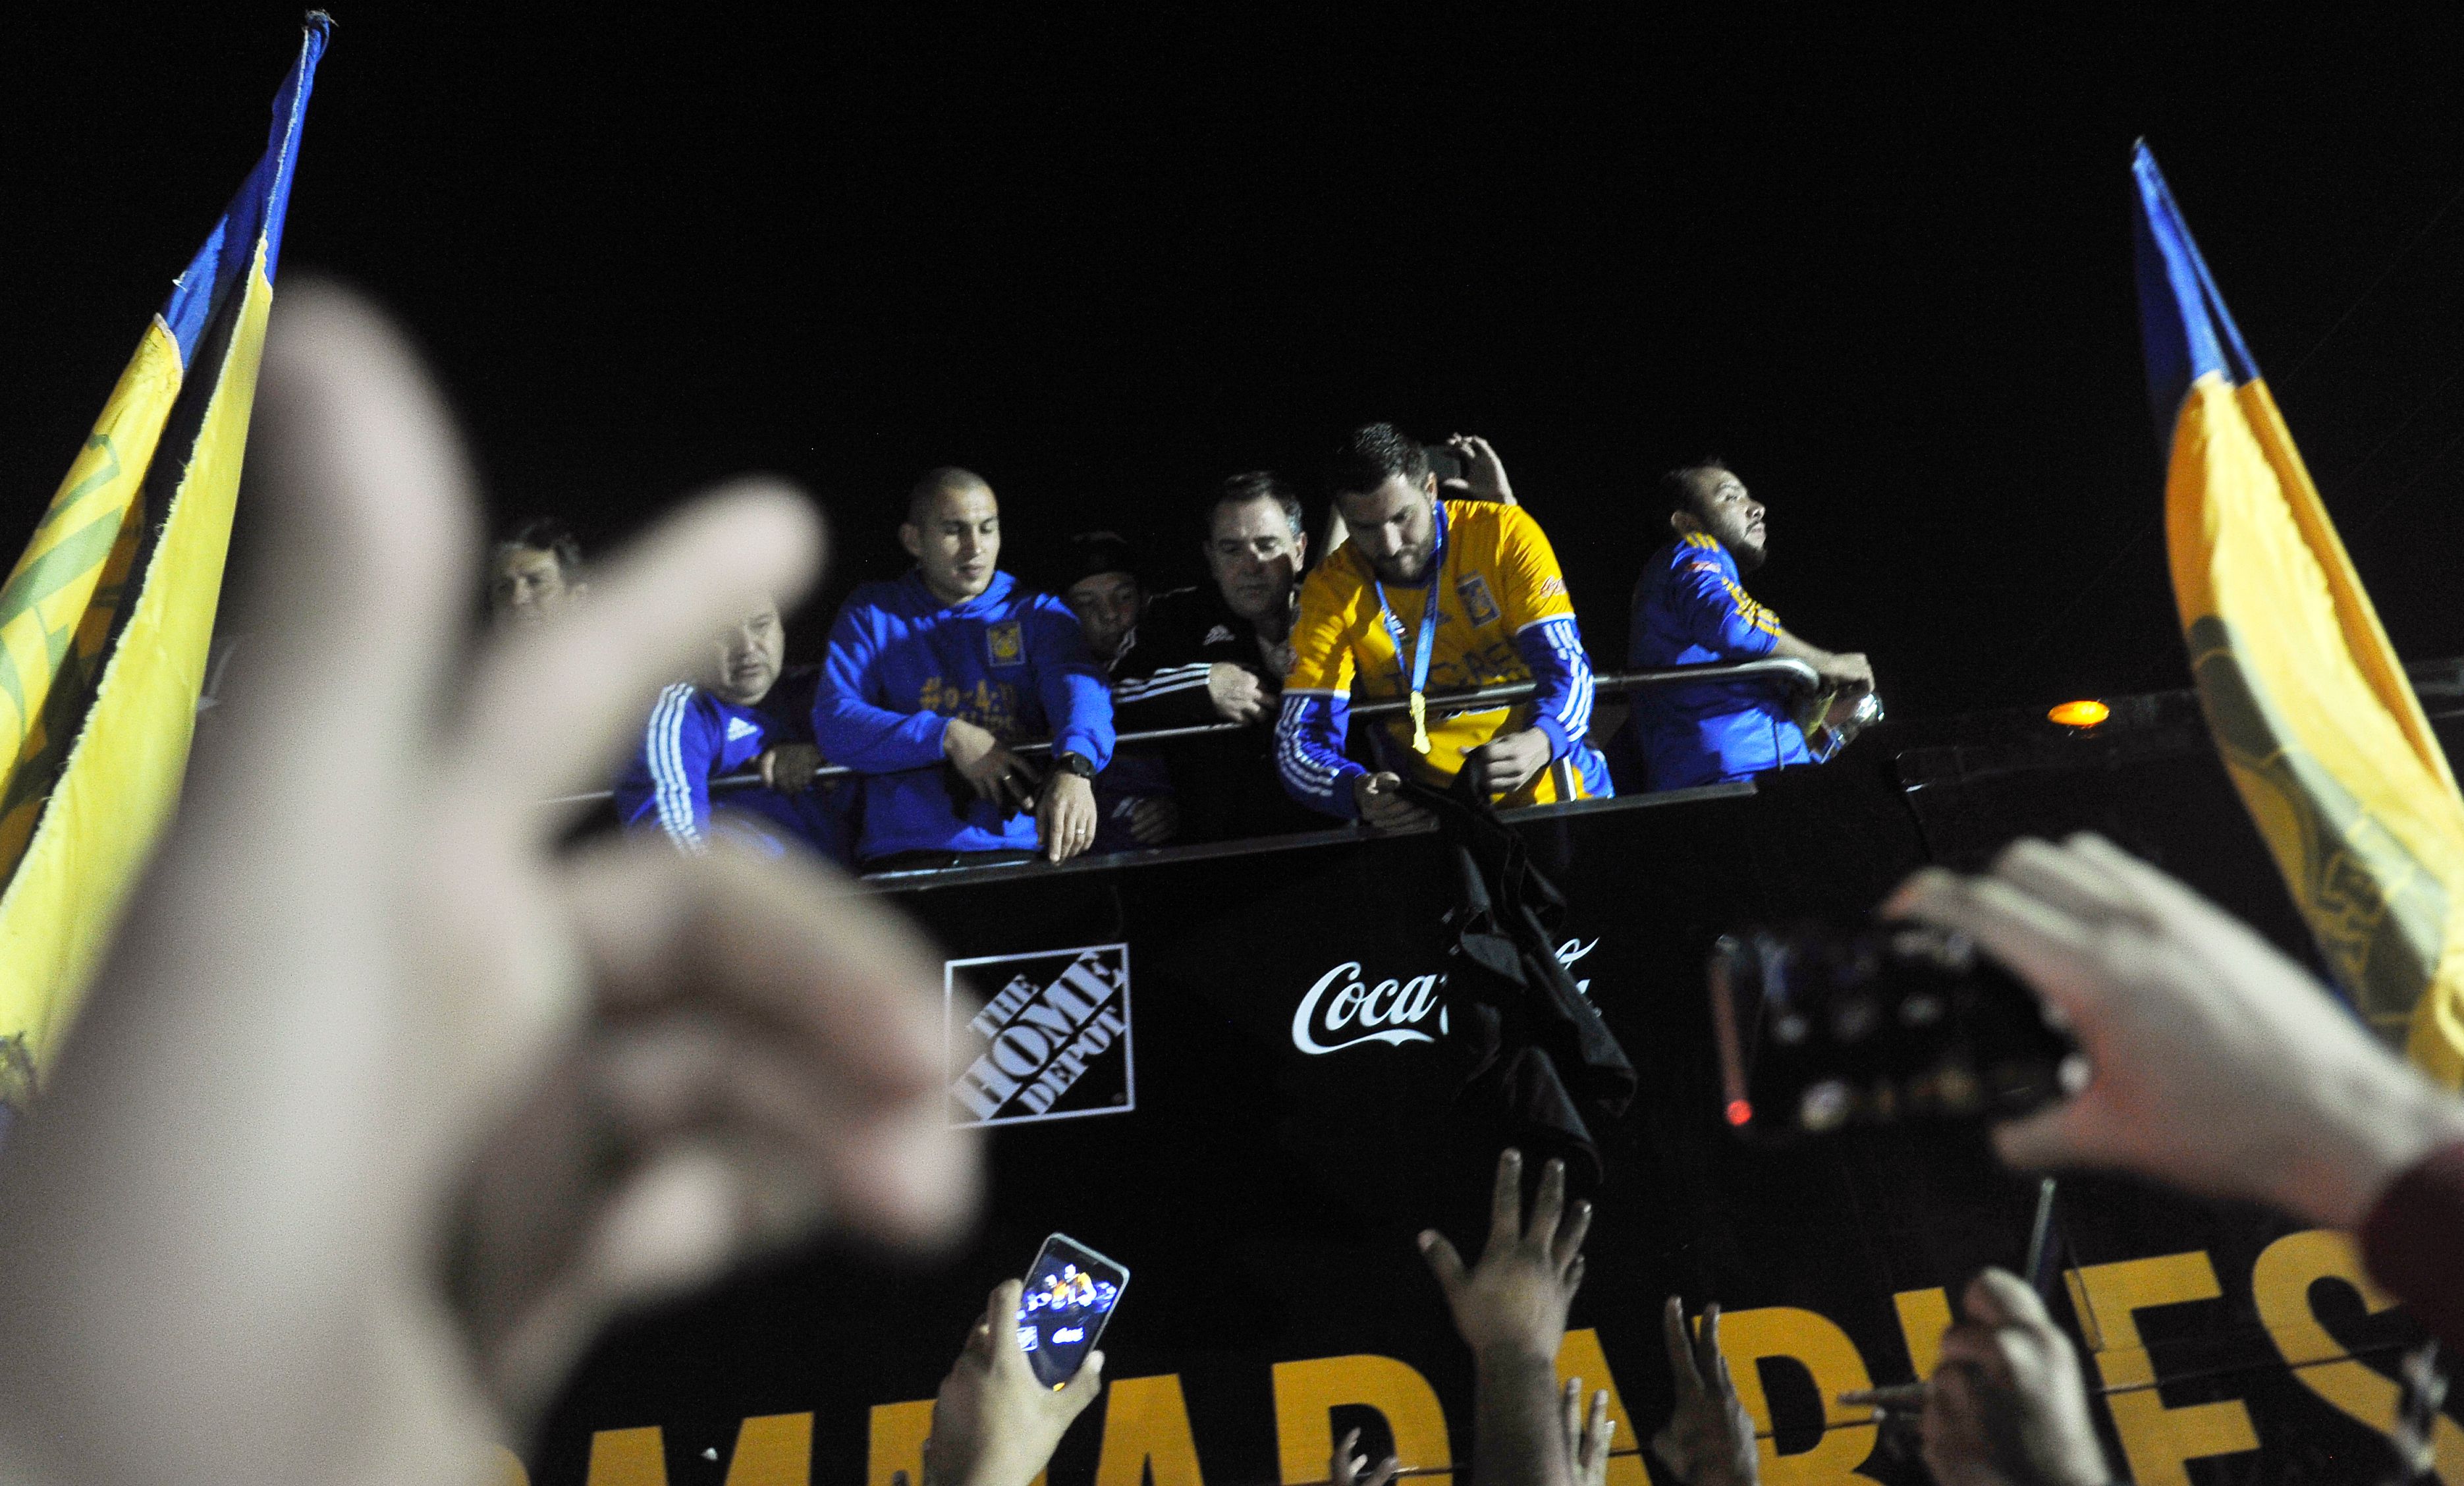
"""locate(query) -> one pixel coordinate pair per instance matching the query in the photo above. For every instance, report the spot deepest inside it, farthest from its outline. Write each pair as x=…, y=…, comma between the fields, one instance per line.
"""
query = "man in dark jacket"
x=1217, y=652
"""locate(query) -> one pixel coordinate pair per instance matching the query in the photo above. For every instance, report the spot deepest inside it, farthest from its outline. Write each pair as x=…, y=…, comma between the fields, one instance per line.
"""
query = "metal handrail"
x=1442, y=703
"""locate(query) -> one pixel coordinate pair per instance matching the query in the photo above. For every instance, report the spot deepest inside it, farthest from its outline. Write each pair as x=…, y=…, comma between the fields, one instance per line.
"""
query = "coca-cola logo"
x=1346, y=1008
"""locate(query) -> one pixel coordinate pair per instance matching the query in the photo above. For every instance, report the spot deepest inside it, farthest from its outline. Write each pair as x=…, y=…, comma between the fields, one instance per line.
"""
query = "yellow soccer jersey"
x=1498, y=577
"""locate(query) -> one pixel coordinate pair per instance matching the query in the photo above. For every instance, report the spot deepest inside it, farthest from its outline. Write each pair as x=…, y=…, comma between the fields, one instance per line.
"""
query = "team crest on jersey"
x=1476, y=602
x=1006, y=641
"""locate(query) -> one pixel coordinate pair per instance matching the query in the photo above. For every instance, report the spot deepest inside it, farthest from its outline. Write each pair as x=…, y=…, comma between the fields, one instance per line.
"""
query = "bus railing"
x=1794, y=674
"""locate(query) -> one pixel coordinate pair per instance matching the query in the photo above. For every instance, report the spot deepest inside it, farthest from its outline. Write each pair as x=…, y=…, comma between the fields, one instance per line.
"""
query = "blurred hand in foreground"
x=379, y=1106
x=1709, y=1439
x=2219, y=1065
x=2006, y=1404
x=995, y=1423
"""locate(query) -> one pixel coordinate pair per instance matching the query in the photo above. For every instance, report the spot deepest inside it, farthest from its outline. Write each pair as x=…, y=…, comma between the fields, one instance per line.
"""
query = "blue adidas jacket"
x=1689, y=608
x=902, y=663
x=693, y=736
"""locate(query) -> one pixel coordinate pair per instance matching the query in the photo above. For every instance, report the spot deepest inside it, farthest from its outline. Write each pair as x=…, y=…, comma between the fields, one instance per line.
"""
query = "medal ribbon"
x=1417, y=680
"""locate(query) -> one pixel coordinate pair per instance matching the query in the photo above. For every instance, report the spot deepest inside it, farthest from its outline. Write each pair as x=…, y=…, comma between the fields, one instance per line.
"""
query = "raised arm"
x=851, y=727
x=1510, y=1310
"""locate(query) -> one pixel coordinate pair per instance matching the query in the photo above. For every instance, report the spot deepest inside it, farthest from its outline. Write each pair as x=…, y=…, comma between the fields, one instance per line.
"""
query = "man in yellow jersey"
x=1431, y=595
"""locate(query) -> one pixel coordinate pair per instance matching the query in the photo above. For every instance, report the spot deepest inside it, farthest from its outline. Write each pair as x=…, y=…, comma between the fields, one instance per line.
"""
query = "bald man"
x=933, y=676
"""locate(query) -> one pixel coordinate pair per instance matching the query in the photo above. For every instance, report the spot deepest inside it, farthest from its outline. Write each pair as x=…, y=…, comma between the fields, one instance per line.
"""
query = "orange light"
x=2080, y=714
x=1739, y=1112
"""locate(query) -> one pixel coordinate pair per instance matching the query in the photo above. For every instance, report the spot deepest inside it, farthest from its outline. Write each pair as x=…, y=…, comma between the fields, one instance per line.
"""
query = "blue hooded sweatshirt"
x=902, y=663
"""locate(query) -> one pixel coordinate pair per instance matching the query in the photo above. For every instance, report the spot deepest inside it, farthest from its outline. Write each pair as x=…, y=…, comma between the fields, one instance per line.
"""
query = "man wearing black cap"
x=1134, y=795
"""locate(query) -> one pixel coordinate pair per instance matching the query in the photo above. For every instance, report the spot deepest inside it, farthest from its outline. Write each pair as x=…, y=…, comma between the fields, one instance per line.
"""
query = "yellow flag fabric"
x=105, y=621
x=2319, y=729
x=122, y=778
x=56, y=610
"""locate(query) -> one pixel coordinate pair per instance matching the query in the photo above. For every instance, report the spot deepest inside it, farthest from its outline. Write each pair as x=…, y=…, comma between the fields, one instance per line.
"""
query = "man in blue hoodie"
x=948, y=666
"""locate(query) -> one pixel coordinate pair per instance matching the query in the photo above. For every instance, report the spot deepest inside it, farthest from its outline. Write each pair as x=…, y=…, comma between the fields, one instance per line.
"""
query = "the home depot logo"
x=1051, y=1041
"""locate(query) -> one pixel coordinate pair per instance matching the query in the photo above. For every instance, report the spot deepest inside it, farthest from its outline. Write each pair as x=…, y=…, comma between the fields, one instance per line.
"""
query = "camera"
x=1820, y=1028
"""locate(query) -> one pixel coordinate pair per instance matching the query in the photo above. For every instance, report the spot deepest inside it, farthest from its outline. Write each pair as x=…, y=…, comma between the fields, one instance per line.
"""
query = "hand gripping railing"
x=1796, y=674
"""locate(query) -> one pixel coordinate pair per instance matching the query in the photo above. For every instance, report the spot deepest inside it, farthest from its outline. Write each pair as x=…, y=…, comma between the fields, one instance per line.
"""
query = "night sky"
x=1883, y=270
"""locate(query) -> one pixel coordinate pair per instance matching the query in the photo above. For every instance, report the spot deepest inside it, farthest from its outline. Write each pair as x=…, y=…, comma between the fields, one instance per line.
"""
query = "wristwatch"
x=1077, y=763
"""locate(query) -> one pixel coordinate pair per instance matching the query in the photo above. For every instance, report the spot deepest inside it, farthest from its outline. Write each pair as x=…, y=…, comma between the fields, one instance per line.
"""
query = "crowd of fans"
x=368, y=1127
x=1434, y=580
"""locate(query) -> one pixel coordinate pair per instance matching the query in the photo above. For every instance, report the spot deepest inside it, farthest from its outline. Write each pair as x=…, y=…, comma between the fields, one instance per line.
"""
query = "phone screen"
x=1070, y=1292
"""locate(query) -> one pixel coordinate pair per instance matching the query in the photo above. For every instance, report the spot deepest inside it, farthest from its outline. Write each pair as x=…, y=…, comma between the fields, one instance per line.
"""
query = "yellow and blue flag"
x=105, y=619
x=2309, y=706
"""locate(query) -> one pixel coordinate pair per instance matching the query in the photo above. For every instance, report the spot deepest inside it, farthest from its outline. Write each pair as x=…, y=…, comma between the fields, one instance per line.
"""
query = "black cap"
x=1094, y=552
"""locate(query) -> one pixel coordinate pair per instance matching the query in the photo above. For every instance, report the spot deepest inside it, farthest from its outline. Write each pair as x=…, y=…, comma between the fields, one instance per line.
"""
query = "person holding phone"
x=1028, y=1369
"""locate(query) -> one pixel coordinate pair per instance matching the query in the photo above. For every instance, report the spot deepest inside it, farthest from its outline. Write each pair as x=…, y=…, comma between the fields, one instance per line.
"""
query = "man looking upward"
x=1430, y=595
x=955, y=662
x=1690, y=607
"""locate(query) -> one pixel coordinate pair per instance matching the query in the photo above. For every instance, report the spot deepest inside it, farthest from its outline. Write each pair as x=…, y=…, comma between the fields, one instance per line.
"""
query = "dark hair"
x=936, y=482
x=1259, y=485
x=1677, y=486
x=1374, y=454
x=1094, y=553
x=545, y=534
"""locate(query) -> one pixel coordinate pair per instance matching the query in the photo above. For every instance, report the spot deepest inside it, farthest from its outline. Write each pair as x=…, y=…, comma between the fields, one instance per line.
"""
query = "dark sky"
x=1107, y=259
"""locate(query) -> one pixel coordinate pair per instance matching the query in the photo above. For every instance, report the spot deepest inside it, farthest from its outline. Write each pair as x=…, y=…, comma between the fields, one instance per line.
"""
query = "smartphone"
x=1822, y=1027
x=1070, y=1292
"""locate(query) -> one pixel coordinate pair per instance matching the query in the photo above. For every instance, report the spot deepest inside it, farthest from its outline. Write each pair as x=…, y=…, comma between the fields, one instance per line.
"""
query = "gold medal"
x=1420, y=724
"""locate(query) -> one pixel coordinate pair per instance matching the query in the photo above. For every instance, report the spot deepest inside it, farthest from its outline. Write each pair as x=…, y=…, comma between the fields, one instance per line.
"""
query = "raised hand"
x=380, y=1104
x=1347, y=1469
x=1588, y=1441
x=2006, y=1405
x=2219, y=1065
x=1709, y=1439
x=994, y=1421
x=1484, y=473
x=1514, y=1302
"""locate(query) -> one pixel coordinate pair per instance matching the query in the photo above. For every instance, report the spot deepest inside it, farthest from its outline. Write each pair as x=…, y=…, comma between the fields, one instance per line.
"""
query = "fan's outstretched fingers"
x=1569, y=1237
x=551, y=710
x=1505, y=1199
x=2069, y=882
x=1681, y=1351
x=363, y=501
x=1548, y=1207
x=778, y=943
